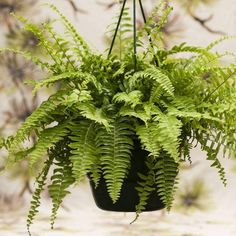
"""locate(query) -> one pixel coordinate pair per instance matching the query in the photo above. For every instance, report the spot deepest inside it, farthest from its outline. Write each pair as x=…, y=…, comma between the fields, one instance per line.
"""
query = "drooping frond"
x=146, y=186
x=115, y=146
x=166, y=170
x=62, y=177
x=35, y=203
x=148, y=136
x=85, y=153
x=168, y=129
x=212, y=148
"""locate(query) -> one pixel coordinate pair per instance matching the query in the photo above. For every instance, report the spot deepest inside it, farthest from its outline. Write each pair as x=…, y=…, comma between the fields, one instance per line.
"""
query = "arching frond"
x=159, y=79
x=47, y=139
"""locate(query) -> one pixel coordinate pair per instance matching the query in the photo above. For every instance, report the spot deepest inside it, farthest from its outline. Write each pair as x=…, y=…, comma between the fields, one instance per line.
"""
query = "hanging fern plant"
x=105, y=106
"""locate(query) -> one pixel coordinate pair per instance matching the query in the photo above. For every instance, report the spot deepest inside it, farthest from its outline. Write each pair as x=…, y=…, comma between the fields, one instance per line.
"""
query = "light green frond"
x=35, y=202
x=116, y=146
x=62, y=48
x=148, y=136
x=85, y=151
x=124, y=35
x=184, y=48
x=138, y=113
x=89, y=111
x=191, y=115
x=133, y=98
x=212, y=148
x=159, y=79
x=28, y=56
x=82, y=46
x=154, y=27
x=61, y=178
x=169, y=131
x=41, y=116
x=166, y=170
x=47, y=139
x=71, y=76
x=219, y=41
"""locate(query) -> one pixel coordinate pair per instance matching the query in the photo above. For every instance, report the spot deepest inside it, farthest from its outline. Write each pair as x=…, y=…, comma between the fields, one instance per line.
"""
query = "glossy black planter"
x=129, y=196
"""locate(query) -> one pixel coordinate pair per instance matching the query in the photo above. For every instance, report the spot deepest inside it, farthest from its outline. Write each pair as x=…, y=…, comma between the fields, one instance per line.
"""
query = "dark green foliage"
x=87, y=127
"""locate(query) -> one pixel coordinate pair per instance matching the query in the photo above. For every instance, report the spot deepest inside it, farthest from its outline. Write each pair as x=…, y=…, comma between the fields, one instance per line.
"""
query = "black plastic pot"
x=129, y=196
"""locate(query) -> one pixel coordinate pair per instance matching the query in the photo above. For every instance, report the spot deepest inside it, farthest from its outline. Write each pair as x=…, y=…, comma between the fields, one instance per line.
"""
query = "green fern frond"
x=62, y=48
x=219, y=41
x=85, y=151
x=45, y=42
x=89, y=111
x=212, y=148
x=166, y=170
x=61, y=179
x=35, y=203
x=183, y=47
x=82, y=46
x=168, y=129
x=41, y=116
x=47, y=139
x=115, y=146
x=161, y=11
x=148, y=136
x=155, y=24
x=28, y=56
x=72, y=75
x=146, y=186
x=159, y=78
x=191, y=114
x=138, y=113
x=124, y=34
x=133, y=98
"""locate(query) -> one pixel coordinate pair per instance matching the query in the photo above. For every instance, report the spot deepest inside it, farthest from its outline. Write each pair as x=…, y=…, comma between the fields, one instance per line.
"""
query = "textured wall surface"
x=203, y=207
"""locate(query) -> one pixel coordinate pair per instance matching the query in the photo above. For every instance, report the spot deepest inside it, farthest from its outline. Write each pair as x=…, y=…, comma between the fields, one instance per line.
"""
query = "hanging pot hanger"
x=134, y=31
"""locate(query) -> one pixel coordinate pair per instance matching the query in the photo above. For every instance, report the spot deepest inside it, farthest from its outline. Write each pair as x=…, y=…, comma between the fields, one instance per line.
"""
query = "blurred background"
x=203, y=207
